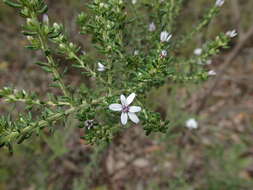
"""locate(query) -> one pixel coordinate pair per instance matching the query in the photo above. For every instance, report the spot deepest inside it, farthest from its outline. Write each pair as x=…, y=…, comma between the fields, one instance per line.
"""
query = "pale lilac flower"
x=165, y=36
x=212, y=73
x=45, y=18
x=101, y=67
x=231, y=33
x=151, y=27
x=198, y=51
x=163, y=54
x=219, y=3
x=126, y=110
x=191, y=123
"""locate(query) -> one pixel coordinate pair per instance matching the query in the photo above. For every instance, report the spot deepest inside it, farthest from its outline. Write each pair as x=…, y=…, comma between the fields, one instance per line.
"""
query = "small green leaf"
x=12, y=4
x=43, y=10
x=29, y=33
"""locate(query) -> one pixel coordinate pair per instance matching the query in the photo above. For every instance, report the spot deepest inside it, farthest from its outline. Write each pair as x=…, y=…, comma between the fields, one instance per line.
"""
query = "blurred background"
x=216, y=156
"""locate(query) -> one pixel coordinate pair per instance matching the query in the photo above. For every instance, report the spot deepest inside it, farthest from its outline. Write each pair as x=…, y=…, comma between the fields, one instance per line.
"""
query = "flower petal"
x=130, y=98
x=134, y=109
x=115, y=107
x=124, y=118
x=100, y=64
x=169, y=37
x=133, y=117
x=123, y=100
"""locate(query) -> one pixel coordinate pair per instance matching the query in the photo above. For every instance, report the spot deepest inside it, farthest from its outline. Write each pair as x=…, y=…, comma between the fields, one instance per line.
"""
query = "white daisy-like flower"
x=231, y=33
x=198, y=51
x=212, y=73
x=126, y=110
x=191, y=123
x=219, y=3
x=134, y=1
x=101, y=67
x=151, y=27
x=163, y=54
x=165, y=36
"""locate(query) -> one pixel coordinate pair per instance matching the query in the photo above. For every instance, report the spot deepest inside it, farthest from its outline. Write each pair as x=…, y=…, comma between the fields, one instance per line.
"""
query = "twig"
x=228, y=61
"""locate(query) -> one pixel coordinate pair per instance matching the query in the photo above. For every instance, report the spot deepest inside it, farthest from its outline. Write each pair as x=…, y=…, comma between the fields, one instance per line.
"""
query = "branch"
x=11, y=137
x=13, y=95
x=244, y=39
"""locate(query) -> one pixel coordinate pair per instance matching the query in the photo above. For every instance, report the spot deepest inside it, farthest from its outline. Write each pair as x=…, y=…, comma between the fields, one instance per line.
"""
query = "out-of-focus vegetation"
x=216, y=156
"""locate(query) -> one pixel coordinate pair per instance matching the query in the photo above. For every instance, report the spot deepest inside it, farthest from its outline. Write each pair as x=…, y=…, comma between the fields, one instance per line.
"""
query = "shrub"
x=134, y=53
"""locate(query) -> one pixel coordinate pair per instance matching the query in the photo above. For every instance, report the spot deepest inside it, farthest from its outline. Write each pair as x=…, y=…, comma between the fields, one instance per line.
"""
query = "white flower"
x=101, y=67
x=165, y=36
x=219, y=3
x=212, y=73
x=151, y=27
x=126, y=110
x=191, y=123
x=198, y=51
x=164, y=53
x=134, y=1
x=231, y=33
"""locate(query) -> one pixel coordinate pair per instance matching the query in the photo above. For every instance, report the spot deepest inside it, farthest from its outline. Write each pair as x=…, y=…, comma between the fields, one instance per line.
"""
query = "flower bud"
x=62, y=46
x=29, y=21
x=56, y=26
x=45, y=19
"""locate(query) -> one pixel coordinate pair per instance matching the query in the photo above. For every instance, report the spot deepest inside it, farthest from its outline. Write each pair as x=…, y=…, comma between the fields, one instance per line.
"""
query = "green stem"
x=12, y=136
x=13, y=98
x=83, y=65
x=52, y=65
x=40, y=124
